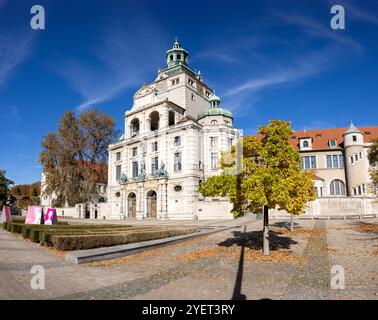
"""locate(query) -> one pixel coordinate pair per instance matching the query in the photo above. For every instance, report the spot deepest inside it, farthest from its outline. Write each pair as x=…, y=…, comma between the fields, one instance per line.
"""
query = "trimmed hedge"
x=45, y=236
x=79, y=242
x=75, y=237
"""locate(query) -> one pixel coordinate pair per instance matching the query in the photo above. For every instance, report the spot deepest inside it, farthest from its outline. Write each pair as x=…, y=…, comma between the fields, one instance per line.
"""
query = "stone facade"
x=173, y=139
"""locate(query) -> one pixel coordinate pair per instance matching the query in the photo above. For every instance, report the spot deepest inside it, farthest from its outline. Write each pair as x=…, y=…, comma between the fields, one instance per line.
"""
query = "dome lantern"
x=177, y=55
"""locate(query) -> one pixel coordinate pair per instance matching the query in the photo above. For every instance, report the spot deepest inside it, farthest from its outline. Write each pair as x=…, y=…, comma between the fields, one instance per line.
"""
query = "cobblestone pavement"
x=218, y=266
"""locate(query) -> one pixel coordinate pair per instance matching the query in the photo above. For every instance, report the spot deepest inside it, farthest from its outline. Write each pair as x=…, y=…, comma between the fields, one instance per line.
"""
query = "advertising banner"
x=34, y=215
x=50, y=216
x=6, y=215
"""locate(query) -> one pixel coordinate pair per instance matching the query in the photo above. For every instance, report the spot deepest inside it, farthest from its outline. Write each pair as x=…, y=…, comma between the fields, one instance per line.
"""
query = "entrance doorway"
x=131, y=205
x=151, y=204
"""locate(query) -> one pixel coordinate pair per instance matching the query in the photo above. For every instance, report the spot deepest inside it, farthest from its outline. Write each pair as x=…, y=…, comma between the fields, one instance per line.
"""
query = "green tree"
x=5, y=183
x=271, y=177
x=74, y=157
x=373, y=161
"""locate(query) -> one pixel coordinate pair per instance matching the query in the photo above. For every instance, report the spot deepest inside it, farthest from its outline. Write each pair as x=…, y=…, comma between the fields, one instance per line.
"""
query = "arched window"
x=154, y=120
x=171, y=119
x=214, y=122
x=179, y=57
x=305, y=144
x=171, y=57
x=134, y=127
x=337, y=188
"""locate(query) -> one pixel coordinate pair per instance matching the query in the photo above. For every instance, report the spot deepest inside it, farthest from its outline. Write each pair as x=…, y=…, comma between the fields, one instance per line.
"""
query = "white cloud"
x=11, y=113
x=355, y=12
x=123, y=58
x=14, y=49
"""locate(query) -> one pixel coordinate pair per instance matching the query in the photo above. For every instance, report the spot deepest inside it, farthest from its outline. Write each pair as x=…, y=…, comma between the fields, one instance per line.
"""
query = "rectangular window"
x=135, y=152
x=351, y=159
x=356, y=157
x=177, y=162
x=360, y=155
x=154, y=164
x=154, y=146
x=213, y=141
x=332, y=143
x=341, y=161
x=175, y=81
x=177, y=141
x=214, y=160
x=118, y=173
x=354, y=138
x=335, y=161
x=191, y=82
x=118, y=156
x=230, y=142
x=135, y=169
x=309, y=162
x=329, y=161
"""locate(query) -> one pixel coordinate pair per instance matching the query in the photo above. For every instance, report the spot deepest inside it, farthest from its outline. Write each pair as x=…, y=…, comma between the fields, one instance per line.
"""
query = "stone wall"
x=210, y=209
x=69, y=212
x=337, y=206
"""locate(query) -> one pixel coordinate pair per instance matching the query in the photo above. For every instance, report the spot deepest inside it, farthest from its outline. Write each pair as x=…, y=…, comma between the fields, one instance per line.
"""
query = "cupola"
x=177, y=55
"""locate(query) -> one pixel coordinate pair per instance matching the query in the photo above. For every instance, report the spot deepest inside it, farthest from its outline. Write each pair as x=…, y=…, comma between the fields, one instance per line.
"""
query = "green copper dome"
x=214, y=109
x=177, y=55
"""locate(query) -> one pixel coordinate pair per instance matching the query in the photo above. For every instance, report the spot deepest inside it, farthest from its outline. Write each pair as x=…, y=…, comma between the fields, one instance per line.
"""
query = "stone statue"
x=123, y=179
x=161, y=172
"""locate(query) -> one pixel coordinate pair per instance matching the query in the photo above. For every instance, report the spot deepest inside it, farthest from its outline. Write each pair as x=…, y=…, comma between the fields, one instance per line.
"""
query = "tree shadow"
x=252, y=240
x=367, y=228
x=284, y=224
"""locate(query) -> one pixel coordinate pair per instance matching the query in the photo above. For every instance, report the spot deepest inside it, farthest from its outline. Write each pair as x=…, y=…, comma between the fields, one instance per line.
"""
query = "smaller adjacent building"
x=338, y=156
x=94, y=208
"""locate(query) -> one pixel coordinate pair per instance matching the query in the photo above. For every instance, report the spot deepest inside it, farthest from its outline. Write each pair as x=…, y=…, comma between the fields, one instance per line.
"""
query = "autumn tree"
x=271, y=177
x=373, y=161
x=74, y=158
x=5, y=183
x=26, y=194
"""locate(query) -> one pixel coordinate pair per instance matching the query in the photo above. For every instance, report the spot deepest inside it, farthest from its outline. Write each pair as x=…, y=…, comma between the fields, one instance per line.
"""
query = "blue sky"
x=265, y=59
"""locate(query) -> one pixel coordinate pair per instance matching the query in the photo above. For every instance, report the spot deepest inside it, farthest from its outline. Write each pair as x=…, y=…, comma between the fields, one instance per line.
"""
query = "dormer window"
x=305, y=144
x=332, y=143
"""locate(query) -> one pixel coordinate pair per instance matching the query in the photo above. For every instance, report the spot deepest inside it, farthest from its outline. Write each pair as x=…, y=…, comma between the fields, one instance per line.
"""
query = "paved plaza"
x=223, y=265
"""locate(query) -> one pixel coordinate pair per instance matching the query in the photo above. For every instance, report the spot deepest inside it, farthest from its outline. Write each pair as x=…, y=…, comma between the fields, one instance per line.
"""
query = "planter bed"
x=44, y=236
x=79, y=242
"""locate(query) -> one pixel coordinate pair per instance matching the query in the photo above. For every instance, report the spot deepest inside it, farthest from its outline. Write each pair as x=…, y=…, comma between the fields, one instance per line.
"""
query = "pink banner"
x=6, y=215
x=34, y=215
x=50, y=216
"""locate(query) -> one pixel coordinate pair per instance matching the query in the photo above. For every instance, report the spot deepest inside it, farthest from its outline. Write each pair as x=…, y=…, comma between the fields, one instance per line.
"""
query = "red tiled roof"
x=321, y=137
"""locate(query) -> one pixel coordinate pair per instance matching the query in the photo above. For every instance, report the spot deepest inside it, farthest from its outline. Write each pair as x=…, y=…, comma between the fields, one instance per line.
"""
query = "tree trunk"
x=292, y=223
x=266, y=232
